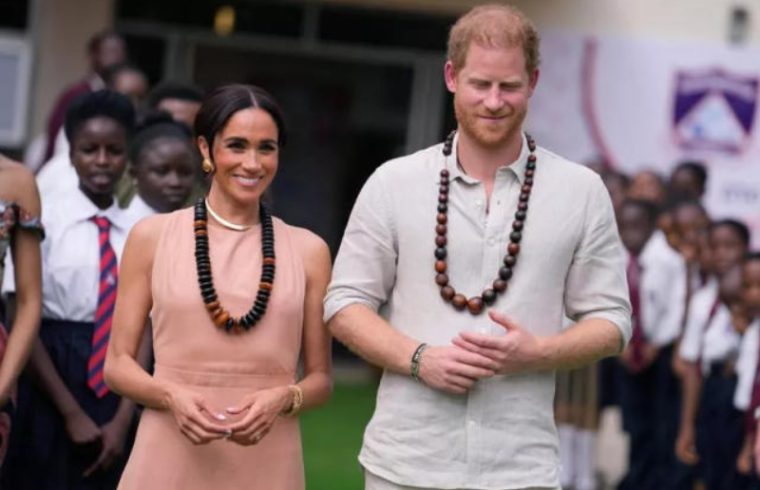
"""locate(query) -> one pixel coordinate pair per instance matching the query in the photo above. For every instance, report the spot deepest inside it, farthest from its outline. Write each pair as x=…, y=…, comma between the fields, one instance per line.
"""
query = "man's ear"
x=450, y=76
x=533, y=82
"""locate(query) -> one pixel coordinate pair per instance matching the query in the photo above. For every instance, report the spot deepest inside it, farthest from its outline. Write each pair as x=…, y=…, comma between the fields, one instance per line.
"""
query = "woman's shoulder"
x=13, y=169
x=158, y=221
x=149, y=229
x=18, y=183
x=310, y=246
x=303, y=237
x=18, y=187
x=147, y=235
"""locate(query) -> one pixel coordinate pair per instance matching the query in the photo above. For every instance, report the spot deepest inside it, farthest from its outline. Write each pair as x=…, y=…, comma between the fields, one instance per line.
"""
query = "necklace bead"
x=219, y=315
x=459, y=301
x=476, y=304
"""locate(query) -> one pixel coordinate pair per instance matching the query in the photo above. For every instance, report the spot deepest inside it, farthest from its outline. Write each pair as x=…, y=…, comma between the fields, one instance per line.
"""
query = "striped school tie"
x=104, y=313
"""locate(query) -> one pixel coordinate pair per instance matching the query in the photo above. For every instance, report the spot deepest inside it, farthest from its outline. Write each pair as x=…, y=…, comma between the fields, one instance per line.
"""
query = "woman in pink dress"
x=235, y=300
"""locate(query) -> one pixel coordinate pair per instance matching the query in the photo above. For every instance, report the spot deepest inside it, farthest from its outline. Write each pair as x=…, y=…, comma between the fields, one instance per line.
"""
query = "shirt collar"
x=712, y=285
x=754, y=324
x=139, y=207
x=80, y=208
x=650, y=250
x=516, y=167
x=96, y=82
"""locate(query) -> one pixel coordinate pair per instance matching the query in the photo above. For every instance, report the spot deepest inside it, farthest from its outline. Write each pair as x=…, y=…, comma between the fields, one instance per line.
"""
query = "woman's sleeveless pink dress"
x=190, y=350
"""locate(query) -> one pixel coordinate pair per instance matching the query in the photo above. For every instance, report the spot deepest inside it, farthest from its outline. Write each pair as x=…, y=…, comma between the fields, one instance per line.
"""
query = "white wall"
x=681, y=19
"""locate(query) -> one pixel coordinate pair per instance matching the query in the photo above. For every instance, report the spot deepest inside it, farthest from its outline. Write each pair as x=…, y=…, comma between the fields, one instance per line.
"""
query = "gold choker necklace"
x=224, y=222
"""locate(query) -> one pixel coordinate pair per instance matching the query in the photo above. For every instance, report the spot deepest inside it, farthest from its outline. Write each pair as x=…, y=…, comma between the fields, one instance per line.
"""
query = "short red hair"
x=494, y=26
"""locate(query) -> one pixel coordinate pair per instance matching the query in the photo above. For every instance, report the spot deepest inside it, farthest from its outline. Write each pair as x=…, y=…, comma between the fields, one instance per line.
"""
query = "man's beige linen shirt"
x=501, y=435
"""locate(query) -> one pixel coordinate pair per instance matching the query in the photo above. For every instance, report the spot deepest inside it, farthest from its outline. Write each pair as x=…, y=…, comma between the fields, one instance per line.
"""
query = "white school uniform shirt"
x=58, y=176
x=71, y=255
x=716, y=341
x=746, y=366
x=662, y=291
x=138, y=209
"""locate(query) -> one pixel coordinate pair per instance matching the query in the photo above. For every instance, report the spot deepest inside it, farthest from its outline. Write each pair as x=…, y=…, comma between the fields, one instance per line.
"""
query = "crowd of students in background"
x=115, y=152
x=687, y=383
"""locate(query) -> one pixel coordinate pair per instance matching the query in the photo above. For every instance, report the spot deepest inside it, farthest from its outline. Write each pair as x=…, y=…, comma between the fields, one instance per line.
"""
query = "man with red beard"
x=485, y=222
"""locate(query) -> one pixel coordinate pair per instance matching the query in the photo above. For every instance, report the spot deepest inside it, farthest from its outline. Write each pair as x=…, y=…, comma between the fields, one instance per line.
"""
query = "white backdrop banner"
x=646, y=104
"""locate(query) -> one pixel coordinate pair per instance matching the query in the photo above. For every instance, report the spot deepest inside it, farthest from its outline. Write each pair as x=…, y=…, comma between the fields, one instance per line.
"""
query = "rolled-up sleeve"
x=365, y=268
x=596, y=285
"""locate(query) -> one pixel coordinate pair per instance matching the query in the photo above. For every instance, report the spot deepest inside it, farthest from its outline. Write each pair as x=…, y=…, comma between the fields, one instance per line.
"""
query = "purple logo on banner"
x=714, y=110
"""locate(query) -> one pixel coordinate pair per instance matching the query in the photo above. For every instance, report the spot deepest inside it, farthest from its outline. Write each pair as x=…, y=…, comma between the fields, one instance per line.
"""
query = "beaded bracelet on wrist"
x=476, y=304
x=416, y=358
x=219, y=315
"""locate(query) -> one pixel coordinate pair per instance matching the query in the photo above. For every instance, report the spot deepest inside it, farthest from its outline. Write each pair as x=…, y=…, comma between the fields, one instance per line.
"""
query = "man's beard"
x=496, y=135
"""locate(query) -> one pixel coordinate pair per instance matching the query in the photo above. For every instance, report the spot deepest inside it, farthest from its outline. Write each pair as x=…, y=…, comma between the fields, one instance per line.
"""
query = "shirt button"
x=491, y=241
x=478, y=203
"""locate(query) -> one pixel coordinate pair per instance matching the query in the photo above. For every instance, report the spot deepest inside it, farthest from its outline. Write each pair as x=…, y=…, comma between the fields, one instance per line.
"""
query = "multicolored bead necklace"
x=219, y=315
x=476, y=304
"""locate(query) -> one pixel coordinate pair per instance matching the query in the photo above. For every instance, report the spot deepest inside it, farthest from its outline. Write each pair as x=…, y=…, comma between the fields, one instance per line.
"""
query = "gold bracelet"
x=297, y=402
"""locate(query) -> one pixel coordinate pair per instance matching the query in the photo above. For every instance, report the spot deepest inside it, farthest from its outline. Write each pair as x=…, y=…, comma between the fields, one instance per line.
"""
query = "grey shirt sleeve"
x=365, y=268
x=596, y=285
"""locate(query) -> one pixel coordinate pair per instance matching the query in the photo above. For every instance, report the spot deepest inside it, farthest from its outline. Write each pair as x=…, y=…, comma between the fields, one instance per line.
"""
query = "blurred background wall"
x=56, y=30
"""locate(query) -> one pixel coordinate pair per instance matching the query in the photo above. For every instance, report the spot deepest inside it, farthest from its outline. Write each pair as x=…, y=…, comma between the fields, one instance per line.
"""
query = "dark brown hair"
x=222, y=103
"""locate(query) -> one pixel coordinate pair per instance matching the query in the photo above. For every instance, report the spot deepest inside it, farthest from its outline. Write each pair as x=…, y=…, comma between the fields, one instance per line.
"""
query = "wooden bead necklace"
x=219, y=315
x=476, y=304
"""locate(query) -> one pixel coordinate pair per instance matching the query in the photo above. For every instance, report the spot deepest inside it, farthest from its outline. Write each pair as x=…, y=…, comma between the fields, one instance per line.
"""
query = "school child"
x=163, y=164
x=71, y=430
x=747, y=395
x=648, y=386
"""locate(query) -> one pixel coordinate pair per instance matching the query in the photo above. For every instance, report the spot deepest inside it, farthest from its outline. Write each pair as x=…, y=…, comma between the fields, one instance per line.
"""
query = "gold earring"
x=207, y=166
